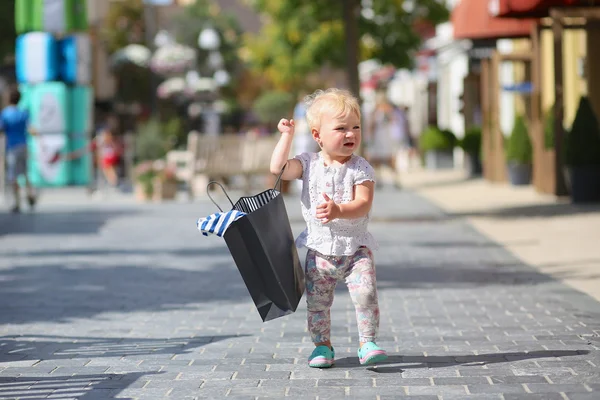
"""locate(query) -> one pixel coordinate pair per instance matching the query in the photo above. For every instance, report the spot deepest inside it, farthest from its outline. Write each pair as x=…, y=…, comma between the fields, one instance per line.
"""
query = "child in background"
x=15, y=124
x=337, y=195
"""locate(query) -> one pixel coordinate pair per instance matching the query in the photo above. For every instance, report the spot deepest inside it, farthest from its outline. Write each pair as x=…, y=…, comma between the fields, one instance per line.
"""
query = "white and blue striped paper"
x=218, y=223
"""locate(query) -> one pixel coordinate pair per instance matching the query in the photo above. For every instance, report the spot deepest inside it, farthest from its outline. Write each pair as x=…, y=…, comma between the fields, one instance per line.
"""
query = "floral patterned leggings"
x=323, y=273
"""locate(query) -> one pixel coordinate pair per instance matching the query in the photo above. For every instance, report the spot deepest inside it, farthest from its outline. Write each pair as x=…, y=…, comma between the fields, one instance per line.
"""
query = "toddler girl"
x=337, y=194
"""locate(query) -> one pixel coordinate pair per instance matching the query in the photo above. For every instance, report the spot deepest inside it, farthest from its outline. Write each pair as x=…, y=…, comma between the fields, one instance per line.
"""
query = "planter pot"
x=140, y=193
x=474, y=165
x=439, y=159
x=164, y=190
x=584, y=182
x=519, y=174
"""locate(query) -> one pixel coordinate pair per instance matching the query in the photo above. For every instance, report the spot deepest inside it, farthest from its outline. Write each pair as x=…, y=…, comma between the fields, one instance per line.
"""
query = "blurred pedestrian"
x=108, y=151
x=401, y=131
x=15, y=124
x=383, y=136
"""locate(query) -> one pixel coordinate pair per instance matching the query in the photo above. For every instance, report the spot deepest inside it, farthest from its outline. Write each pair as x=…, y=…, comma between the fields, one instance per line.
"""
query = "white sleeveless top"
x=340, y=237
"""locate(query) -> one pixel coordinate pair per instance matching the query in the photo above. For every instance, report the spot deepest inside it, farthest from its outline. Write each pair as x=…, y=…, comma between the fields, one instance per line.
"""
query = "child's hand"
x=286, y=126
x=328, y=211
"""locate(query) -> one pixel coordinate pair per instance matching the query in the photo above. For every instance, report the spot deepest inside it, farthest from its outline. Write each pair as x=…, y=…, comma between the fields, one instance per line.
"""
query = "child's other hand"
x=328, y=211
x=286, y=126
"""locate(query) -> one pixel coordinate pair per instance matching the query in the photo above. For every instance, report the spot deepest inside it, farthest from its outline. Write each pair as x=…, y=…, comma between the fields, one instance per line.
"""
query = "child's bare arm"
x=279, y=159
x=359, y=207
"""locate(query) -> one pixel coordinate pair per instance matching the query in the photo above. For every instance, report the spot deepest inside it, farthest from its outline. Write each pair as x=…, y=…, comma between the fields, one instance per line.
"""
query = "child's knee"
x=365, y=295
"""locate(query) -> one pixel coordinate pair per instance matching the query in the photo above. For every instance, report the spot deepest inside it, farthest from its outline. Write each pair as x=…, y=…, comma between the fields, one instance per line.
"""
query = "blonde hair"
x=340, y=101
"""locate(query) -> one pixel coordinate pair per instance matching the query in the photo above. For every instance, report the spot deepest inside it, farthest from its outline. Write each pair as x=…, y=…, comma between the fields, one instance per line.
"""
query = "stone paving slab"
x=112, y=299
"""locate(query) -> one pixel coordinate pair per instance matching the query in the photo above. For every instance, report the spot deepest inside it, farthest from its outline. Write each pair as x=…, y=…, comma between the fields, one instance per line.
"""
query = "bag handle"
x=211, y=198
x=278, y=181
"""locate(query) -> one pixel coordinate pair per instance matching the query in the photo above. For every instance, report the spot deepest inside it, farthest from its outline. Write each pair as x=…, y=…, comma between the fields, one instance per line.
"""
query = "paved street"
x=112, y=299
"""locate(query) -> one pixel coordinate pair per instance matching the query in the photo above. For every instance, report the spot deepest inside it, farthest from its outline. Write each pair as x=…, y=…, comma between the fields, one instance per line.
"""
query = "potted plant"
x=519, y=154
x=143, y=175
x=154, y=180
x=471, y=145
x=164, y=184
x=582, y=156
x=437, y=148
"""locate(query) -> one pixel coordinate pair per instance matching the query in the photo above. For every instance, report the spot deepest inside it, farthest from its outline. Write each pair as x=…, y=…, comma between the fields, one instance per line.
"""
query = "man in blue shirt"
x=15, y=124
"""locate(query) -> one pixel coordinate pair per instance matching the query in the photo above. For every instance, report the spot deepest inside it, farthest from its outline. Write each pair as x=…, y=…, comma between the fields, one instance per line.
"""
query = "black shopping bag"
x=262, y=246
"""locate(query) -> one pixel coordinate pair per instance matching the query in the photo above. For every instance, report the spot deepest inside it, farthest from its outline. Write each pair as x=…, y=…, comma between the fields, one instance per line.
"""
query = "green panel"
x=37, y=15
x=77, y=16
x=80, y=112
x=42, y=172
x=23, y=16
x=80, y=109
x=48, y=107
x=73, y=19
x=25, y=91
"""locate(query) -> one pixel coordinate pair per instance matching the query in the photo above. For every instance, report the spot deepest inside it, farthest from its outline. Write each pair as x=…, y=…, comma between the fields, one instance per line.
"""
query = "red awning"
x=471, y=19
x=531, y=8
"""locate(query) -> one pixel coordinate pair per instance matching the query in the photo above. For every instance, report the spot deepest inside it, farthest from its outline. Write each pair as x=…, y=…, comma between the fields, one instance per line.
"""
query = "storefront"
x=558, y=16
x=473, y=20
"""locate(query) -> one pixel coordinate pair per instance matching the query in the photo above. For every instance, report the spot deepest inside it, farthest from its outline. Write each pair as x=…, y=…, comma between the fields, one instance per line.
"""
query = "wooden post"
x=560, y=186
x=486, y=132
x=536, y=124
x=593, y=64
x=499, y=163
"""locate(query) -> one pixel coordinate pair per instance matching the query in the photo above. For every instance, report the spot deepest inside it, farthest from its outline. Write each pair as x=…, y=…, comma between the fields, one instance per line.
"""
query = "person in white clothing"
x=337, y=195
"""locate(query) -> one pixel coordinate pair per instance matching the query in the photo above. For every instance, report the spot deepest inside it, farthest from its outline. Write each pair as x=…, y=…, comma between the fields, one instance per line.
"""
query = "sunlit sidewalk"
x=558, y=238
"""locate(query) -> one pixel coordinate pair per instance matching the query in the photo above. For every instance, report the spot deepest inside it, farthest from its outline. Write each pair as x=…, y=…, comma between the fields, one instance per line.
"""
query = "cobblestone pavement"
x=116, y=300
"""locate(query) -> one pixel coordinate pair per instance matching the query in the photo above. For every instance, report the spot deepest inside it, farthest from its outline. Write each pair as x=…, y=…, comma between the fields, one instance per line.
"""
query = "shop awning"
x=531, y=8
x=471, y=19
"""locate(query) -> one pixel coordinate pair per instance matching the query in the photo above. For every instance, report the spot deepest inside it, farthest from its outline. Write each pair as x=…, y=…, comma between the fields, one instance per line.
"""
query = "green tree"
x=302, y=36
x=7, y=29
x=124, y=25
x=202, y=14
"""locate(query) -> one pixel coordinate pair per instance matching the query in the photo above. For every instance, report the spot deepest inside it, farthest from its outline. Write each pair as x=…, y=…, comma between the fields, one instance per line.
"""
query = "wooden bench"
x=219, y=157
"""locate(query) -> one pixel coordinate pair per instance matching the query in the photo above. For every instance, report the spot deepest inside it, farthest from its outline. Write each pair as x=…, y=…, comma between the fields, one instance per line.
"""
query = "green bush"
x=433, y=138
x=174, y=133
x=151, y=142
x=471, y=143
x=270, y=107
x=519, y=145
x=583, y=141
x=451, y=137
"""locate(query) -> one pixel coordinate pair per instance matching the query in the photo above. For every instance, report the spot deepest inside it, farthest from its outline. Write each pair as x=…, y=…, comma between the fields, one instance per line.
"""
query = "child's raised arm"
x=280, y=155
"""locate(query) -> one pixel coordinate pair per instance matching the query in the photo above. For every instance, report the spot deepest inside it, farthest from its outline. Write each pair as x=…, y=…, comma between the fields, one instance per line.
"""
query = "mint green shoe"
x=321, y=357
x=370, y=353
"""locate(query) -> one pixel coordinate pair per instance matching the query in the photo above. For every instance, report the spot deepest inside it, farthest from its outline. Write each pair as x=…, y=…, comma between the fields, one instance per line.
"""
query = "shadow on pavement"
x=73, y=367
x=56, y=292
x=532, y=211
x=455, y=275
x=48, y=348
x=536, y=210
x=80, y=221
x=468, y=360
x=184, y=252
x=81, y=387
x=475, y=244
